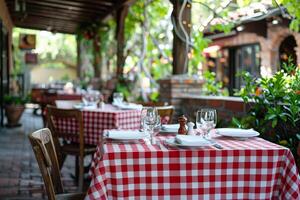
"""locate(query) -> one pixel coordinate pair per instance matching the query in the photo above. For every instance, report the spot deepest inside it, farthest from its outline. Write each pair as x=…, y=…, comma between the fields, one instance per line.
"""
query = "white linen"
x=237, y=132
x=127, y=106
x=170, y=127
x=124, y=134
x=191, y=140
x=83, y=106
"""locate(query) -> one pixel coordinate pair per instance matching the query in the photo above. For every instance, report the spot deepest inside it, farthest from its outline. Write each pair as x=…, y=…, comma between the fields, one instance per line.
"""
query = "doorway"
x=287, y=51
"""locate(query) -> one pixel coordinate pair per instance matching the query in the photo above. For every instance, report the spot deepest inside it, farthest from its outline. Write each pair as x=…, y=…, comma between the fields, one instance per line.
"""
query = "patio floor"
x=20, y=176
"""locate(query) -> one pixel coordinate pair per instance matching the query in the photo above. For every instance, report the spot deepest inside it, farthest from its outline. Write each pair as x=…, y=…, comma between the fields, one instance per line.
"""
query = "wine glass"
x=118, y=97
x=150, y=121
x=206, y=120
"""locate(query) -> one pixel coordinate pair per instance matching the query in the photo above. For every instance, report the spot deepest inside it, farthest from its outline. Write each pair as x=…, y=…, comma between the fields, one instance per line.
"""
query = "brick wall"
x=184, y=95
x=269, y=54
x=227, y=107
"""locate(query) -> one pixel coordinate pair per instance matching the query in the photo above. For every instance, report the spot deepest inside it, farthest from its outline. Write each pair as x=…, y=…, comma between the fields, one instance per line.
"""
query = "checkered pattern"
x=251, y=169
x=95, y=121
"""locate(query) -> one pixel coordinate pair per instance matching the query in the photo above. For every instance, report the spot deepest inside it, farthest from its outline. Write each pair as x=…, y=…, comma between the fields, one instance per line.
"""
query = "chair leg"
x=76, y=168
x=81, y=173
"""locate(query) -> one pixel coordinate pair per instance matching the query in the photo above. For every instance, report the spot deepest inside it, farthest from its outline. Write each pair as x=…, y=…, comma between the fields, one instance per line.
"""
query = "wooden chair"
x=70, y=139
x=43, y=148
x=165, y=113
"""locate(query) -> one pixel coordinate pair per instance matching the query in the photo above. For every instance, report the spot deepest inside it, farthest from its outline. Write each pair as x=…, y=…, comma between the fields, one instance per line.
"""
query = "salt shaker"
x=190, y=128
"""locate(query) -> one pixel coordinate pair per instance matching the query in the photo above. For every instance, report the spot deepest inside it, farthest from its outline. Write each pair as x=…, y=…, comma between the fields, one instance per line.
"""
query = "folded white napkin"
x=170, y=127
x=237, y=132
x=89, y=106
x=124, y=134
x=191, y=140
x=127, y=106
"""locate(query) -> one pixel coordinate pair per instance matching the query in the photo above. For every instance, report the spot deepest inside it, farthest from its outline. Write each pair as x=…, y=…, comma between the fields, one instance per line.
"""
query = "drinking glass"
x=118, y=97
x=150, y=120
x=206, y=120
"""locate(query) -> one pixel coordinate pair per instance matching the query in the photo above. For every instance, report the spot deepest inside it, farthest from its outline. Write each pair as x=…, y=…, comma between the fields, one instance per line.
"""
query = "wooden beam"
x=55, y=11
x=121, y=16
x=59, y=29
x=63, y=6
x=180, y=55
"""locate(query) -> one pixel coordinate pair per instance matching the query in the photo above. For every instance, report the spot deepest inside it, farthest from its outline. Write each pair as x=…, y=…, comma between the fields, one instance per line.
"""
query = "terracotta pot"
x=13, y=114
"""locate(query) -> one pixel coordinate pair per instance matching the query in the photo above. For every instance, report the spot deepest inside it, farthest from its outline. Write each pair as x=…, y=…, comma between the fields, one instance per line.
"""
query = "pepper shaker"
x=182, y=122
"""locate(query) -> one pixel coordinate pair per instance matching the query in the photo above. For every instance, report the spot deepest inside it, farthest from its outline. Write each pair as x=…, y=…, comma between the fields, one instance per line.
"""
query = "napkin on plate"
x=82, y=106
x=128, y=106
x=237, y=132
x=124, y=134
x=191, y=140
x=170, y=127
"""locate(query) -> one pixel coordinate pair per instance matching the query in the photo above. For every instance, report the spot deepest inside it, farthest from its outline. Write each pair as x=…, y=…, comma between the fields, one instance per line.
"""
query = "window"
x=243, y=58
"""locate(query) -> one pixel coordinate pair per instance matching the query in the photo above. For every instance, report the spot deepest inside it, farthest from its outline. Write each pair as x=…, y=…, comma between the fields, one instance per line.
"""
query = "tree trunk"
x=121, y=16
x=180, y=46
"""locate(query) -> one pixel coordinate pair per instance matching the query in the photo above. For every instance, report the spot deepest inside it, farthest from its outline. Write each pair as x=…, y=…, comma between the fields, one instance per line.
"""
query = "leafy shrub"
x=15, y=100
x=274, y=107
x=212, y=87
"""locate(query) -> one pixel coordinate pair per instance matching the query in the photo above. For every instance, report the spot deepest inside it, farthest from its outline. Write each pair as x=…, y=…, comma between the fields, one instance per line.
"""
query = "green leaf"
x=274, y=123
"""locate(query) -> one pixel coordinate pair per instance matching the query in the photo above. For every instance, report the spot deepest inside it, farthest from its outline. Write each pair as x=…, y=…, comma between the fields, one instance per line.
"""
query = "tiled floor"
x=20, y=178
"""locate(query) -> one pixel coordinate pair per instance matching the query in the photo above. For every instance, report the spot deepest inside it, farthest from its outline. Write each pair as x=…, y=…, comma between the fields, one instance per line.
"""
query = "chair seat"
x=73, y=149
x=70, y=196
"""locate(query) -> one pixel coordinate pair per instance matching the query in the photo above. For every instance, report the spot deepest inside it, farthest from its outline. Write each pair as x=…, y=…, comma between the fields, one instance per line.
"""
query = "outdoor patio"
x=20, y=177
x=149, y=99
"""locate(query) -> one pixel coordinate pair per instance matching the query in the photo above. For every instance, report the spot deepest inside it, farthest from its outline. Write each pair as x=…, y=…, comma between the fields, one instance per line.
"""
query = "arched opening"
x=287, y=51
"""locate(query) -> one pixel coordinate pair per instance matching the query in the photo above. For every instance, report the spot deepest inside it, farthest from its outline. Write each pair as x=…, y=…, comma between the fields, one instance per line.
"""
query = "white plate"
x=172, y=142
x=237, y=133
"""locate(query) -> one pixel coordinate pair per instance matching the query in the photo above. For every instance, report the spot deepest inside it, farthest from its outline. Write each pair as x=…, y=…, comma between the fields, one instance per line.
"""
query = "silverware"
x=218, y=146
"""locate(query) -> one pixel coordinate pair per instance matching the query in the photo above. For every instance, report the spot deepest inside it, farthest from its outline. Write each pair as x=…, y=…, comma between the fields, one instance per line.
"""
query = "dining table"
x=251, y=168
x=96, y=120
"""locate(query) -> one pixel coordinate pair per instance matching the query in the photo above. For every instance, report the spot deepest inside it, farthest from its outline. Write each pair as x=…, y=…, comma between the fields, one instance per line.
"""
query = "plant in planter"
x=14, y=107
x=274, y=108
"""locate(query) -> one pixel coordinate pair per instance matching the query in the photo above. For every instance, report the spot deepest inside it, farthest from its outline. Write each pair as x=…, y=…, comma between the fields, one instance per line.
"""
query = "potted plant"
x=14, y=107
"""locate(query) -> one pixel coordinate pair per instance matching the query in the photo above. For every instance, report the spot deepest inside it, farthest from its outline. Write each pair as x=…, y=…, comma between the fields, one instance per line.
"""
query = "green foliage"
x=200, y=43
x=154, y=96
x=54, y=50
x=292, y=7
x=15, y=100
x=274, y=107
x=226, y=28
x=213, y=87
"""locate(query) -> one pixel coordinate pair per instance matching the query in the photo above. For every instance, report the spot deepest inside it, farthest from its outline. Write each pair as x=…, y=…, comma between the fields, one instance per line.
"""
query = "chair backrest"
x=43, y=148
x=66, y=124
x=165, y=113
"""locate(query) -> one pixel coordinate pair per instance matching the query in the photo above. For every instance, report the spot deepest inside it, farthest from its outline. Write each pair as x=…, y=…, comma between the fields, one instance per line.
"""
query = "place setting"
x=118, y=101
x=124, y=136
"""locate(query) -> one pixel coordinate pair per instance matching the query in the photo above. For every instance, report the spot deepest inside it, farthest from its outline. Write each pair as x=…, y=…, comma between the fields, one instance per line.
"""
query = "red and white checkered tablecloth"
x=95, y=121
x=250, y=169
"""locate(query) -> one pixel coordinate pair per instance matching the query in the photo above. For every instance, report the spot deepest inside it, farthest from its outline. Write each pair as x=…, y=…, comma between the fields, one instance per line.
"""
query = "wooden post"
x=121, y=16
x=180, y=56
x=78, y=41
x=97, y=55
